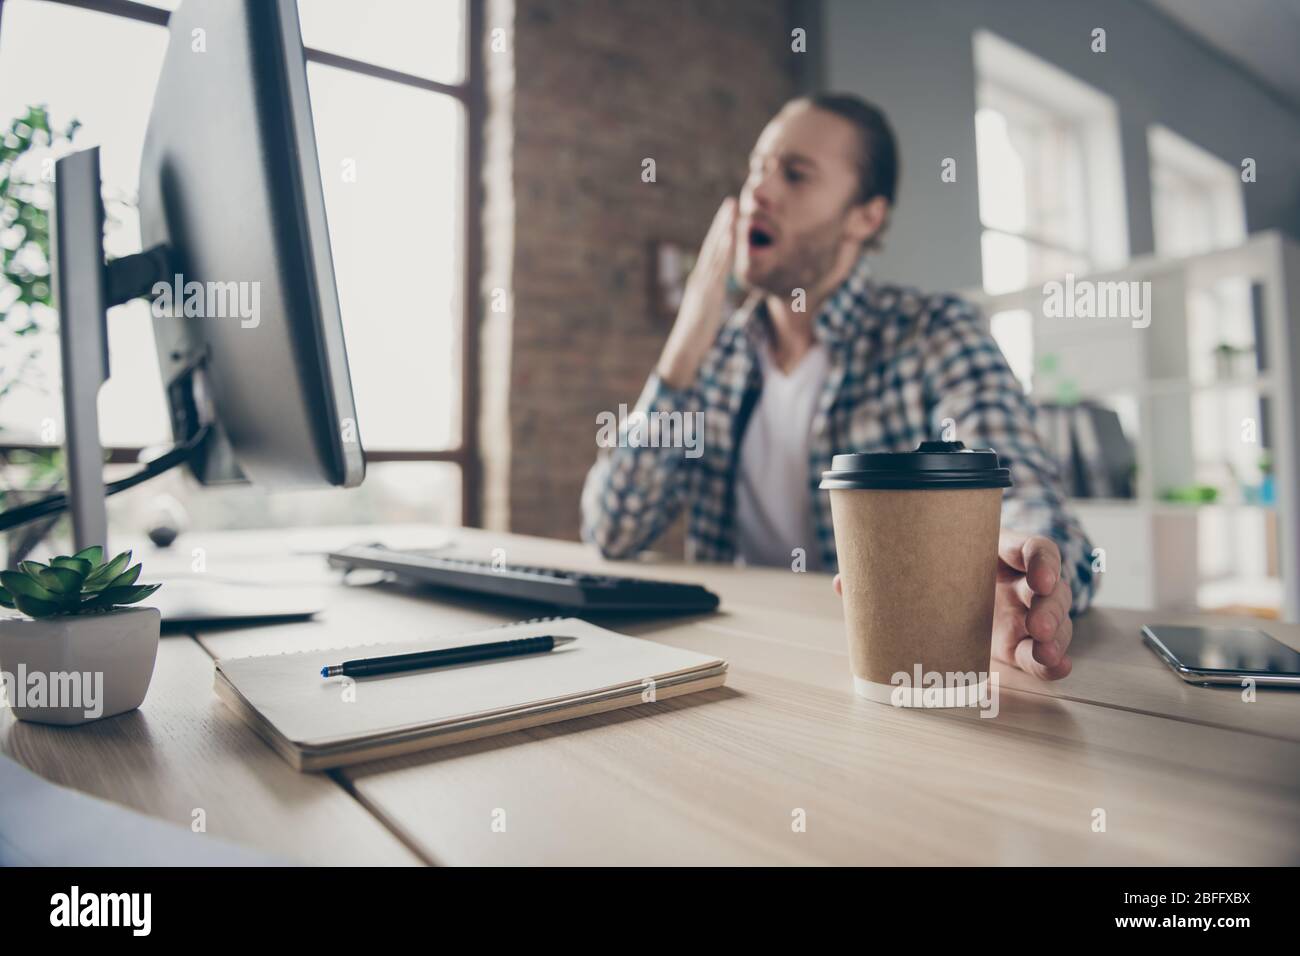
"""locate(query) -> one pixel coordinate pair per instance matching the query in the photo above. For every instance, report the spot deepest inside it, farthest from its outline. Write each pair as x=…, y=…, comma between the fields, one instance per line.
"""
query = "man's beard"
x=811, y=257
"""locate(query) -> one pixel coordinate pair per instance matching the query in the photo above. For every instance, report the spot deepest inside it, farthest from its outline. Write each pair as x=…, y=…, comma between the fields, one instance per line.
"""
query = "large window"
x=1196, y=200
x=1051, y=191
x=395, y=89
x=1031, y=191
x=1051, y=185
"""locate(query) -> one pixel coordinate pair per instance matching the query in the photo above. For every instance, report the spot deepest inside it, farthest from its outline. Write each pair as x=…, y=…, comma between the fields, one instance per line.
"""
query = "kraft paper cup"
x=916, y=535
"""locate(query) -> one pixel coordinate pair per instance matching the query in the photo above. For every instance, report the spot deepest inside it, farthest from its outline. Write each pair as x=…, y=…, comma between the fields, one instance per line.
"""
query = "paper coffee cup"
x=916, y=534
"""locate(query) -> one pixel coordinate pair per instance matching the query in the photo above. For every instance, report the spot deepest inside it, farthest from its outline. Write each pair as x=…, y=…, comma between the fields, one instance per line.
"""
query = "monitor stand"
x=86, y=287
x=81, y=293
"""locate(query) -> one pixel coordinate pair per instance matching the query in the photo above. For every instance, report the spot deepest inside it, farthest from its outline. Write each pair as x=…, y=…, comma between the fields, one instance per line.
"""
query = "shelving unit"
x=1192, y=423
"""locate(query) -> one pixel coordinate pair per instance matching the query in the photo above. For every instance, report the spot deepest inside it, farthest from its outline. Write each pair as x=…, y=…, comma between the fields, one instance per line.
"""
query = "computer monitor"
x=237, y=266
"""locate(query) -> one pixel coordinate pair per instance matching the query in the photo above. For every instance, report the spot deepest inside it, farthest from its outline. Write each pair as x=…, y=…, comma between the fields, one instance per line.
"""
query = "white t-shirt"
x=773, y=501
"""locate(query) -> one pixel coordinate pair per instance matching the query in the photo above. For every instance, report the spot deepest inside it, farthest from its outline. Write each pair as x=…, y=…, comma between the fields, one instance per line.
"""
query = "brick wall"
x=598, y=87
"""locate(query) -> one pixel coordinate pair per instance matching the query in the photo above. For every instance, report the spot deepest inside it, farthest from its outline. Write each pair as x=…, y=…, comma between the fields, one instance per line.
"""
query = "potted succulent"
x=77, y=652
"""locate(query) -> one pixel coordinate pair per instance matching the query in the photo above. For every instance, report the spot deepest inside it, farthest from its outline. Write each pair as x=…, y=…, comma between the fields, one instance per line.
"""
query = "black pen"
x=420, y=660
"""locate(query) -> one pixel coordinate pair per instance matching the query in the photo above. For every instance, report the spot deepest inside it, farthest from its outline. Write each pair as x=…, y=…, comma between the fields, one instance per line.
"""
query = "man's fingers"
x=1035, y=555
x=1020, y=634
x=726, y=209
x=1053, y=650
x=839, y=588
x=706, y=286
x=1026, y=659
x=1065, y=635
x=1046, y=612
x=1042, y=563
x=722, y=231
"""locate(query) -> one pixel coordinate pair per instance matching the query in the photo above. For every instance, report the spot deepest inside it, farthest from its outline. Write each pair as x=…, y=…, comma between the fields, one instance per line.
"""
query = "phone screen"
x=1229, y=649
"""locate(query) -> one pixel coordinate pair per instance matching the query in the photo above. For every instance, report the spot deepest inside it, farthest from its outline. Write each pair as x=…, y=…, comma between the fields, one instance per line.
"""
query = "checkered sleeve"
x=632, y=494
x=968, y=381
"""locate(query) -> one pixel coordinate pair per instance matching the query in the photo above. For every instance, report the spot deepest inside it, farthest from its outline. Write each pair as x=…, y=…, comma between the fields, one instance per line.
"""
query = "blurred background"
x=1164, y=149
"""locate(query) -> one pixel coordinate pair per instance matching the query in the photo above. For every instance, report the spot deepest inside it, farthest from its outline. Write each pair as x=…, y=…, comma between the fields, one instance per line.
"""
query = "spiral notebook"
x=317, y=723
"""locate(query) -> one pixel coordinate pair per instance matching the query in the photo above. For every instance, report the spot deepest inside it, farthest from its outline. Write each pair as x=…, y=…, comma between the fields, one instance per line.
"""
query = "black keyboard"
x=577, y=590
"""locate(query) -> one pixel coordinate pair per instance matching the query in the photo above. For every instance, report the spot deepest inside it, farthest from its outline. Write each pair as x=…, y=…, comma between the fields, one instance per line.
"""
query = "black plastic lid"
x=934, y=464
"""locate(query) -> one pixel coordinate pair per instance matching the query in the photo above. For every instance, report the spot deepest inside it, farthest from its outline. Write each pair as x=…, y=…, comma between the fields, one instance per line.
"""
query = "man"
x=824, y=359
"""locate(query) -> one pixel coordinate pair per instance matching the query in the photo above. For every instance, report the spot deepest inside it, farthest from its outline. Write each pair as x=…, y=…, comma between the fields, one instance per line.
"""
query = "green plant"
x=73, y=584
x=27, y=474
x=1065, y=391
x=26, y=298
x=1191, y=494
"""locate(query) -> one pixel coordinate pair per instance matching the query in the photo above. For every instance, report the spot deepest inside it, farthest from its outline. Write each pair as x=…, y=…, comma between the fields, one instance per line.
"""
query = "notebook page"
x=306, y=709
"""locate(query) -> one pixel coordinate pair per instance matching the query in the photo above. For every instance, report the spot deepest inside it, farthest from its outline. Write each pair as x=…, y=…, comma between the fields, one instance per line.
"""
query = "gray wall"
x=916, y=60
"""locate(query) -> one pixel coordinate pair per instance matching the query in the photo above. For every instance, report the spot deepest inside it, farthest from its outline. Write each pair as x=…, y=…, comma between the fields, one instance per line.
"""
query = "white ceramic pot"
x=78, y=668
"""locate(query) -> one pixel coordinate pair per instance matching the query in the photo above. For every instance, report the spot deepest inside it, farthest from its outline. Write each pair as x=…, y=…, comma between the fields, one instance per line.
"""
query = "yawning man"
x=825, y=359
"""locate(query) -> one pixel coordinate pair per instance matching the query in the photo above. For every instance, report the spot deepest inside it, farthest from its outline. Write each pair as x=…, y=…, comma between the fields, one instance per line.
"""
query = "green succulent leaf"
x=99, y=601
x=106, y=572
x=32, y=569
x=94, y=554
x=80, y=565
x=140, y=592
x=125, y=579
x=60, y=581
x=20, y=585
x=114, y=597
x=74, y=584
x=35, y=607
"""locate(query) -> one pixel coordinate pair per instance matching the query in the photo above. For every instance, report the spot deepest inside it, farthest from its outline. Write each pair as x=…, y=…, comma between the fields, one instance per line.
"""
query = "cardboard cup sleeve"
x=918, y=567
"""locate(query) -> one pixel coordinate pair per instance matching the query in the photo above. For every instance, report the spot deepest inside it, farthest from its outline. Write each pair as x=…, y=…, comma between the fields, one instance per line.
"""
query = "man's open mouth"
x=759, y=238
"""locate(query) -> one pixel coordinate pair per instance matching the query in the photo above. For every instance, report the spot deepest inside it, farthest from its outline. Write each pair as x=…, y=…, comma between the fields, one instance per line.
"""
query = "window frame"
x=1216, y=185
x=1008, y=74
x=995, y=95
x=471, y=92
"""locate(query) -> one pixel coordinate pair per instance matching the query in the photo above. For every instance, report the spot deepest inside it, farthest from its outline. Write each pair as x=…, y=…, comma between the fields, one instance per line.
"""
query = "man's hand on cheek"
x=1031, y=610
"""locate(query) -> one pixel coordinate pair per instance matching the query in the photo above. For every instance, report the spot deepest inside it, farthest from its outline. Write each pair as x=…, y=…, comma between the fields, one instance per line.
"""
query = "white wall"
x=915, y=60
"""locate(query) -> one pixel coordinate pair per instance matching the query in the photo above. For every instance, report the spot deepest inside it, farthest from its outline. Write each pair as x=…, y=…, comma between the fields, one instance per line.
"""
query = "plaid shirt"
x=902, y=364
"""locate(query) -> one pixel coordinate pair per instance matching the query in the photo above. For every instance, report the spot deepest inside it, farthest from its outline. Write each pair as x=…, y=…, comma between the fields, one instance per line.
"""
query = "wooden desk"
x=1185, y=775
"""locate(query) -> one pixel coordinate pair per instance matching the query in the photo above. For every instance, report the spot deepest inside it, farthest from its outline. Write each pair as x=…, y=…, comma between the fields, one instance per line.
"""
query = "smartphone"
x=1224, y=655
